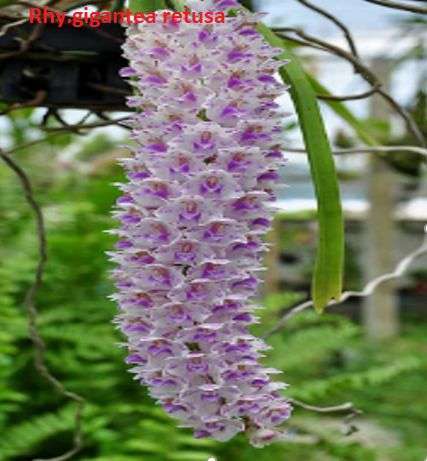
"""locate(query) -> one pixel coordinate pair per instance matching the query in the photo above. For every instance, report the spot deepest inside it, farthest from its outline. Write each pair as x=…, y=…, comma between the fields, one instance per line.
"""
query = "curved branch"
x=368, y=150
x=58, y=117
x=10, y=25
x=348, y=406
x=32, y=143
x=25, y=44
x=87, y=126
x=38, y=99
x=60, y=130
x=350, y=97
x=399, y=6
x=336, y=21
x=31, y=309
x=369, y=288
x=361, y=69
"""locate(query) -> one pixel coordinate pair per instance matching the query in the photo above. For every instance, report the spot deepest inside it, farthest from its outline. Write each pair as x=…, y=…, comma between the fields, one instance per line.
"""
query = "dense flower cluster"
x=193, y=212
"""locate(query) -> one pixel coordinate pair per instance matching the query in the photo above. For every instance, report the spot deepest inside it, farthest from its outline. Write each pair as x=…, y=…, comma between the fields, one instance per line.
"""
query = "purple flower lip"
x=124, y=244
x=248, y=407
x=196, y=292
x=248, y=31
x=143, y=257
x=130, y=218
x=280, y=415
x=201, y=434
x=143, y=300
x=158, y=190
x=230, y=111
x=158, y=147
x=259, y=382
x=174, y=408
x=124, y=200
x=127, y=72
x=210, y=397
x=227, y=306
x=203, y=35
x=189, y=96
x=205, y=336
x=137, y=327
x=163, y=382
x=156, y=79
x=213, y=271
x=139, y=175
x=135, y=359
x=234, y=82
x=212, y=184
x=247, y=283
x=193, y=68
x=244, y=317
x=185, y=256
x=246, y=204
x=177, y=313
x=237, y=55
x=190, y=216
x=253, y=134
x=197, y=366
x=275, y=154
x=261, y=222
x=159, y=350
x=226, y=4
x=269, y=176
x=160, y=52
x=265, y=78
x=124, y=285
x=237, y=375
x=184, y=167
x=237, y=348
x=159, y=276
x=241, y=246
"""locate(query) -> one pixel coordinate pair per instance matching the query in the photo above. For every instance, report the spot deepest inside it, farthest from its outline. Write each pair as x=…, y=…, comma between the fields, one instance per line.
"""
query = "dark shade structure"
x=72, y=68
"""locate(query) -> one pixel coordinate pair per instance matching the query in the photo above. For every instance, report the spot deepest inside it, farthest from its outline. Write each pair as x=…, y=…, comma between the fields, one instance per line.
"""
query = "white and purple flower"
x=192, y=215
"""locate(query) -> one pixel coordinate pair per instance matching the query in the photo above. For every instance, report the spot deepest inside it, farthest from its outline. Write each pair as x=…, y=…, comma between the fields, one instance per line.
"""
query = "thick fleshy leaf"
x=328, y=272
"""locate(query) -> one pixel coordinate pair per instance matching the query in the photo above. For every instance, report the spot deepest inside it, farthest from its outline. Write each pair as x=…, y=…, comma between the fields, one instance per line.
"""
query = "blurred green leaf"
x=146, y=6
x=21, y=437
x=4, y=3
x=178, y=5
x=318, y=389
x=189, y=456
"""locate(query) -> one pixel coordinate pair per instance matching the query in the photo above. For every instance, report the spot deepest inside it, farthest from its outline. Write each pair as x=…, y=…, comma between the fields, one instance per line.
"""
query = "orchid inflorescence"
x=207, y=131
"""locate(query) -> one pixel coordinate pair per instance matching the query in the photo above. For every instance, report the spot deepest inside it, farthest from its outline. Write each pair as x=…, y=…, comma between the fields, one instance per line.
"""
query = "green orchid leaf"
x=328, y=271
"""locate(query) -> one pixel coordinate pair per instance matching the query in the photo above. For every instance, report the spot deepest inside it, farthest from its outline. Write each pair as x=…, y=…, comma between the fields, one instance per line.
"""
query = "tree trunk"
x=380, y=310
